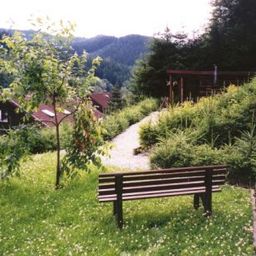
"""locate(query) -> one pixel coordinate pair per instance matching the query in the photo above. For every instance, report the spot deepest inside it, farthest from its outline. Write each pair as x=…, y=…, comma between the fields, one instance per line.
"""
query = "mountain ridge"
x=119, y=53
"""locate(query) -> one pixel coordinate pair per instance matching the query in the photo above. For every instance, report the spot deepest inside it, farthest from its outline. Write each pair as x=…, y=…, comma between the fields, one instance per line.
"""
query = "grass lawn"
x=36, y=220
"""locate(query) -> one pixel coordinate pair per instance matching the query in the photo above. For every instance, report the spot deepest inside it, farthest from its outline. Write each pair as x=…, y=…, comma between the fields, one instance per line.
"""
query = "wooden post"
x=202, y=196
x=196, y=201
x=208, y=192
x=119, y=202
x=181, y=89
x=114, y=208
x=170, y=91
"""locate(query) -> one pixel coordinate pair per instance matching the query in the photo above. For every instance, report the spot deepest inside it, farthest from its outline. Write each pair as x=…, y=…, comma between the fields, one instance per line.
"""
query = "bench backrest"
x=159, y=183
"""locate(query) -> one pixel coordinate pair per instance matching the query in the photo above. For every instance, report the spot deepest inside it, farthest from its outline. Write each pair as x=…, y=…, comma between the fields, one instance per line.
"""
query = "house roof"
x=45, y=114
x=102, y=99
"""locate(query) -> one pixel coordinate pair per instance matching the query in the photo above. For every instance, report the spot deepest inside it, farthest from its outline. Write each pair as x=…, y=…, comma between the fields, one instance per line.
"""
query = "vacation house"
x=11, y=117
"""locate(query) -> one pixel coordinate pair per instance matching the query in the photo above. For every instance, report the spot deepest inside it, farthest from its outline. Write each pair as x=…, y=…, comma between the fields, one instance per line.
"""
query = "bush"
x=117, y=122
x=216, y=130
x=241, y=156
x=219, y=119
x=39, y=140
x=148, y=135
x=171, y=153
x=180, y=150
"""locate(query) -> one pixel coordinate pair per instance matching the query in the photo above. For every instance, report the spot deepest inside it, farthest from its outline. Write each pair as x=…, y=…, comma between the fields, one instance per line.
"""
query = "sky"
x=111, y=17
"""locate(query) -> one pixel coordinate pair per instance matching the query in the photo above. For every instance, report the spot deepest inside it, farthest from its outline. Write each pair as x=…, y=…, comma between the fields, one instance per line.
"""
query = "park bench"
x=200, y=181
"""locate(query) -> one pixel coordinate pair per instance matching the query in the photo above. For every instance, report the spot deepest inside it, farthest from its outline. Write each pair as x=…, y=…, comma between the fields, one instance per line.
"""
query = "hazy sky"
x=111, y=17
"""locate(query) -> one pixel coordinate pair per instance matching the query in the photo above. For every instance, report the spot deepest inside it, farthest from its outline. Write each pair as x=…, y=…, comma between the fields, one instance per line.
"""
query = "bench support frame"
x=120, y=181
x=118, y=204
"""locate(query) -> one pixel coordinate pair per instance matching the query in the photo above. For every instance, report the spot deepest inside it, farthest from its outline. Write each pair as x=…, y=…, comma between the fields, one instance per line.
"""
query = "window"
x=66, y=112
x=48, y=112
x=3, y=116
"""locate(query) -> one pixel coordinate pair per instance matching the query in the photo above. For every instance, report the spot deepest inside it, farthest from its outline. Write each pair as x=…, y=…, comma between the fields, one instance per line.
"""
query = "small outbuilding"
x=191, y=84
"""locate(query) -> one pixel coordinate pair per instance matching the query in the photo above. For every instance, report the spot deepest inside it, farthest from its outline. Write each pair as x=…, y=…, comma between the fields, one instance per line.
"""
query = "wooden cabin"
x=191, y=85
x=11, y=116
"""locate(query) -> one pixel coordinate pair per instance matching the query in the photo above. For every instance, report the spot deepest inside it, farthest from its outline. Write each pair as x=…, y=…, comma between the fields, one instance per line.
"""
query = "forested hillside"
x=119, y=54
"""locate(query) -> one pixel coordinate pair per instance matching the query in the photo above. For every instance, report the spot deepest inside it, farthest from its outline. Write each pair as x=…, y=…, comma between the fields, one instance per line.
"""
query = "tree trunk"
x=58, y=165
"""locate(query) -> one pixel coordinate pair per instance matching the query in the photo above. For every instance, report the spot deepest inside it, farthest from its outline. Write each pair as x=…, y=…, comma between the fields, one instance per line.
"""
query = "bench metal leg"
x=114, y=208
x=208, y=200
x=207, y=203
x=202, y=197
x=208, y=192
x=196, y=201
x=119, y=200
x=119, y=213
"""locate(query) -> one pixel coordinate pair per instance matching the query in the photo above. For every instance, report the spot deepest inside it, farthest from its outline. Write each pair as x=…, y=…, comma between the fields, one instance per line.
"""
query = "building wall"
x=8, y=112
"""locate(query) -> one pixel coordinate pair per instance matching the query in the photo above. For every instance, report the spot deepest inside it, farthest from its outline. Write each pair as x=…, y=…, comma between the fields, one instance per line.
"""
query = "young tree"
x=44, y=71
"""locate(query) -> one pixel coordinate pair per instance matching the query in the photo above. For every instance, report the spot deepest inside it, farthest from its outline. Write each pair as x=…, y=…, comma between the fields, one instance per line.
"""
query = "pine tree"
x=232, y=38
x=116, y=101
x=150, y=75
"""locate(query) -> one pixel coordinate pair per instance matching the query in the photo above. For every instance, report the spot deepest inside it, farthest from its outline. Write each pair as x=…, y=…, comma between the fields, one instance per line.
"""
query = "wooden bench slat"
x=159, y=187
x=166, y=194
x=153, y=182
x=160, y=181
x=164, y=176
x=152, y=175
x=155, y=187
x=109, y=198
x=171, y=175
x=180, y=169
x=158, y=176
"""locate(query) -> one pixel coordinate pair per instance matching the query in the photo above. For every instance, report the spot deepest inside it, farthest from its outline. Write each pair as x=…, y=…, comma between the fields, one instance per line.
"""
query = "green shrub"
x=148, y=134
x=13, y=150
x=42, y=140
x=174, y=153
x=117, y=122
x=66, y=134
x=171, y=153
x=241, y=156
x=216, y=130
x=148, y=105
x=132, y=114
x=220, y=118
x=39, y=140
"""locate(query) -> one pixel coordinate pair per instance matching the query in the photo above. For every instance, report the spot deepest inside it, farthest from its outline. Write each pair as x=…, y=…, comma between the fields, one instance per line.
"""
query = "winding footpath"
x=122, y=152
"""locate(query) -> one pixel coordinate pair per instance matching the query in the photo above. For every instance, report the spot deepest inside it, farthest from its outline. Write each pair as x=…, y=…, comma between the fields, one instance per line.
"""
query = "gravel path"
x=121, y=155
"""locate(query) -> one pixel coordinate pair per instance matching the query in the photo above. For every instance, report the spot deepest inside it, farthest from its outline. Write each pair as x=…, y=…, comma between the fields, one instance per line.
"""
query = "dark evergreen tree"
x=232, y=38
x=150, y=74
x=116, y=101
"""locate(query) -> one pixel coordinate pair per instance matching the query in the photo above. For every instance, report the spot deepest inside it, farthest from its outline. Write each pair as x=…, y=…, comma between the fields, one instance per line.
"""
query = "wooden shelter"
x=191, y=85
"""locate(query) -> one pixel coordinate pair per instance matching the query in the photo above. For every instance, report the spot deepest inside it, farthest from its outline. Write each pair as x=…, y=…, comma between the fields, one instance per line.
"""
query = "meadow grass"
x=37, y=220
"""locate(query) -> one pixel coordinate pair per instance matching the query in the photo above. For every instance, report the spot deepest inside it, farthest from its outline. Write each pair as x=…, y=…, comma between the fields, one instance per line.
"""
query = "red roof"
x=102, y=99
x=45, y=114
x=47, y=119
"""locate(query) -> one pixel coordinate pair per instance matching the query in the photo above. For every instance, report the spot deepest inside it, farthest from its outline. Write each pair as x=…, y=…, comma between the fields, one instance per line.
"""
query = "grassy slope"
x=36, y=220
